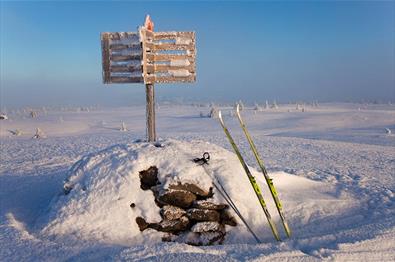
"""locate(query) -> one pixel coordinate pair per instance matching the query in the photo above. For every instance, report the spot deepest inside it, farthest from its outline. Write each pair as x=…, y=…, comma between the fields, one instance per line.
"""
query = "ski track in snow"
x=352, y=156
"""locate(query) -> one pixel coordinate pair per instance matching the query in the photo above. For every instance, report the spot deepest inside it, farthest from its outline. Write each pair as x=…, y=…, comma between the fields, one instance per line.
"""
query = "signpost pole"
x=149, y=89
x=150, y=95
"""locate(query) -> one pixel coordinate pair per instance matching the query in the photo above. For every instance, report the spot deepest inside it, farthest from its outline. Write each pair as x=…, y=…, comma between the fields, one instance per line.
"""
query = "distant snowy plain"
x=334, y=166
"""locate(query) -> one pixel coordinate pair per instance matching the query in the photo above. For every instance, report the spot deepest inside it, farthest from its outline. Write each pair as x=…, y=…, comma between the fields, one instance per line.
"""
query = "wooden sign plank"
x=173, y=35
x=168, y=57
x=125, y=80
x=170, y=46
x=118, y=47
x=123, y=35
x=122, y=58
x=126, y=68
x=170, y=79
x=151, y=69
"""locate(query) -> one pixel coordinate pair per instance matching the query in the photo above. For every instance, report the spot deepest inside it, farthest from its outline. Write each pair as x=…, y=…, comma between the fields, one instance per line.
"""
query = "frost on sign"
x=122, y=55
x=148, y=57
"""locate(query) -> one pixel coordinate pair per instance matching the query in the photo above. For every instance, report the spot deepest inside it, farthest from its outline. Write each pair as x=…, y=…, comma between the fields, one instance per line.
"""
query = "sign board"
x=148, y=57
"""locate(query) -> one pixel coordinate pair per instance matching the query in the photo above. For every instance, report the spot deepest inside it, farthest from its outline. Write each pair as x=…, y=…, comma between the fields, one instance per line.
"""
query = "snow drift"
x=101, y=187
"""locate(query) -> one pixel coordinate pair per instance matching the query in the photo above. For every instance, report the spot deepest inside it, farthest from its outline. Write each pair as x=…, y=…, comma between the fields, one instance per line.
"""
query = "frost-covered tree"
x=39, y=134
x=213, y=112
x=257, y=108
x=266, y=104
x=274, y=105
x=123, y=127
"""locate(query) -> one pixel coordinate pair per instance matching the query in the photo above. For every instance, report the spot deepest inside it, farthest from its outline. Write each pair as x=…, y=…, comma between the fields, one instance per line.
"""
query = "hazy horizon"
x=284, y=51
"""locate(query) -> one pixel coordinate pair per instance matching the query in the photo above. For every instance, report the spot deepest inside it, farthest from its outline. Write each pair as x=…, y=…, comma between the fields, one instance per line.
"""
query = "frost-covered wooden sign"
x=148, y=57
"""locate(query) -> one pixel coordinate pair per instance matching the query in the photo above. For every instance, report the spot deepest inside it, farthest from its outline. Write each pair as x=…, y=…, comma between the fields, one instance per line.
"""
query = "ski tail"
x=253, y=182
x=269, y=181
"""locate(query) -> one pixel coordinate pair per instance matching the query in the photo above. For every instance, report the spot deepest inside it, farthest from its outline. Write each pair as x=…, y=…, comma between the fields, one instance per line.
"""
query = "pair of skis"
x=253, y=182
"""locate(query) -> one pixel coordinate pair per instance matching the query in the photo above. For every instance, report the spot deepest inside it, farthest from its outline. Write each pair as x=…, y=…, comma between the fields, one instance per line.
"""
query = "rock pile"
x=187, y=213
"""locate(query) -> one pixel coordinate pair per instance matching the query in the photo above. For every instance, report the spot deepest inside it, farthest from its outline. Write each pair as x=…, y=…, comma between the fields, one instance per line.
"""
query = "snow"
x=332, y=165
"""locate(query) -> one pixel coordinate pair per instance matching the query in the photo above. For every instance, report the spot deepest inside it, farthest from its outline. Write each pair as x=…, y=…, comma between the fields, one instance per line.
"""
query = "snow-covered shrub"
x=257, y=108
x=213, y=112
x=123, y=127
x=3, y=116
x=266, y=104
x=274, y=105
x=39, y=134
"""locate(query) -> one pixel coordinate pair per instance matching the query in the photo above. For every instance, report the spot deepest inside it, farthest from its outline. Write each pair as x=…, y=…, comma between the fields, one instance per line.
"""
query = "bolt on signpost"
x=148, y=57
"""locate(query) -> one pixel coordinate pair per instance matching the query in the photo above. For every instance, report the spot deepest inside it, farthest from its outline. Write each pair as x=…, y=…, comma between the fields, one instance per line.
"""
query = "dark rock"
x=191, y=188
x=204, y=204
x=172, y=212
x=203, y=214
x=202, y=227
x=180, y=198
x=149, y=178
x=174, y=225
x=132, y=205
x=143, y=225
x=228, y=219
x=205, y=239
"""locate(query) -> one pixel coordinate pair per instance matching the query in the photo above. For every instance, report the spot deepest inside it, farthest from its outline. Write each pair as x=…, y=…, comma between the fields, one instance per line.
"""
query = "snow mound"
x=102, y=186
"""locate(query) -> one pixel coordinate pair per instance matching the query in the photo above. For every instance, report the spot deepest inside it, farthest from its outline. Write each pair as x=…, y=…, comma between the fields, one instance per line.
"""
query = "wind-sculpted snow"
x=333, y=167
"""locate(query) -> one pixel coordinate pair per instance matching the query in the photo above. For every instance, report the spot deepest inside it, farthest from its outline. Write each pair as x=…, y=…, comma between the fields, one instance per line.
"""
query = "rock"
x=204, y=204
x=143, y=225
x=205, y=239
x=172, y=212
x=174, y=225
x=191, y=188
x=203, y=214
x=149, y=178
x=179, y=198
x=202, y=227
x=228, y=219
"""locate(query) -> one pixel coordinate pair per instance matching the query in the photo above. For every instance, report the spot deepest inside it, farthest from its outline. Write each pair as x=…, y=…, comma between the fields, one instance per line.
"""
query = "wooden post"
x=150, y=94
x=149, y=88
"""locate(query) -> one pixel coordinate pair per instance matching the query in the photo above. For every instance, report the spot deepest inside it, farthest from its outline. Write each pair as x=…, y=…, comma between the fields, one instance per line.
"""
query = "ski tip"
x=220, y=114
x=238, y=112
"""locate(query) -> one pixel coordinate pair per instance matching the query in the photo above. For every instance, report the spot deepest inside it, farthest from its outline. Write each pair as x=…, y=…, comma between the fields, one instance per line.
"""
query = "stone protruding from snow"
x=191, y=188
x=203, y=214
x=149, y=178
x=180, y=198
x=205, y=239
x=172, y=212
x=202, y=227
x=227, y=218
x=204, y=204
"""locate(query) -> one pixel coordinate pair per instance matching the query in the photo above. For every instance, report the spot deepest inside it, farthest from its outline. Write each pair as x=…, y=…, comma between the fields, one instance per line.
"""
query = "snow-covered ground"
x=333, y=166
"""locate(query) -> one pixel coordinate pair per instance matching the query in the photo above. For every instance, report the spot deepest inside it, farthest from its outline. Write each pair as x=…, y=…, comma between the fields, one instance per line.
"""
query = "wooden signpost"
x=148, y=57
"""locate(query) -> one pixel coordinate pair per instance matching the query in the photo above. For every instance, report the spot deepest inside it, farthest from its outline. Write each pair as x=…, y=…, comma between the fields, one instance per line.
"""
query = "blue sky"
x=288, y=51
